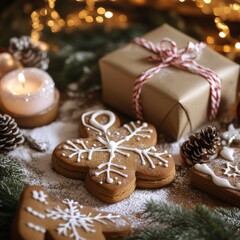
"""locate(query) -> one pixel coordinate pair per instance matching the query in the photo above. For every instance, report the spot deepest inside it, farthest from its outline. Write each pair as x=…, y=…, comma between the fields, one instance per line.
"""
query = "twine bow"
x=167, y=54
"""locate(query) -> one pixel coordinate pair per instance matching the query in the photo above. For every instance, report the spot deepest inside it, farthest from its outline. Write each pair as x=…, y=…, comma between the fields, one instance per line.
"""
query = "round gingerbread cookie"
x=114, y=160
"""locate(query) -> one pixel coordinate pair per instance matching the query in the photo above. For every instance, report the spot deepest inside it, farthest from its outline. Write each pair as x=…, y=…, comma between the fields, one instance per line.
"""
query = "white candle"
x=27, y=91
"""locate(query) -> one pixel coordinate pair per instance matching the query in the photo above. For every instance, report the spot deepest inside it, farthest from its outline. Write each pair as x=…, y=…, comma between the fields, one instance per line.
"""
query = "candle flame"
x=21, y=79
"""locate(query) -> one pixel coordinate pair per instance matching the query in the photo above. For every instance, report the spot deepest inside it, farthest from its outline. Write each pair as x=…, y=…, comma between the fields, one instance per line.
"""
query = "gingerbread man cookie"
x=114, y=160
x=220, y=176
x=39, y=218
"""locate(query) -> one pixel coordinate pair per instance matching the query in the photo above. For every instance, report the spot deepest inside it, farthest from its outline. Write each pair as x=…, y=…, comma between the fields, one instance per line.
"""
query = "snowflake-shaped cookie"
x=112, y=159
x=40, y=218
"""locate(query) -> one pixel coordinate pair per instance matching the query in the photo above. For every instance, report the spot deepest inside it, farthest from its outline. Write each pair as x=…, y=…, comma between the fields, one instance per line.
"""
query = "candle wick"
x=23, y=84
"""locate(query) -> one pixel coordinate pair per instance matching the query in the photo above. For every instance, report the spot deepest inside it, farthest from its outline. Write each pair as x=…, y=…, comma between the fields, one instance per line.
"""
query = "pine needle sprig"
x=231, y=217
x=12, y=176
x=211, y=225
x=10, y=166
x=10, y=191
x=166, y=214
x=173, y=221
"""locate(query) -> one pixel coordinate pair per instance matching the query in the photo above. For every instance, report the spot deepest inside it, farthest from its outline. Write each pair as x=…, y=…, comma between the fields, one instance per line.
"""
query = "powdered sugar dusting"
x=134, y=205
x=39, y=170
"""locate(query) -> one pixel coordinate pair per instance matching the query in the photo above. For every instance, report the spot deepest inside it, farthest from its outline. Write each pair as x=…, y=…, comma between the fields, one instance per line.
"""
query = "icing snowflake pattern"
x=75, y=219
x=107, y=145
x=231, y=171
x=72, y=216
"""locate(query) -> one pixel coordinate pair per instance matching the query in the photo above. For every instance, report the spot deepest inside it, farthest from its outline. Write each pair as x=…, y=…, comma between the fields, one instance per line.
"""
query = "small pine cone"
x=211, y=139
x=28, y=53
x=10, y=135
x=200, y=146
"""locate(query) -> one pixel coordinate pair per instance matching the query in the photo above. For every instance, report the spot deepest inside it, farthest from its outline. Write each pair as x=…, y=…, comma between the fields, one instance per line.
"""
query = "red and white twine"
x=166, y=53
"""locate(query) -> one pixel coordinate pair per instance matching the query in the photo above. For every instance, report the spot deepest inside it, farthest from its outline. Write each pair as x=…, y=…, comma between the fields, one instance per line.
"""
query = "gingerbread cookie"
x=39, y=218
x=220, y=176
x=114, y=160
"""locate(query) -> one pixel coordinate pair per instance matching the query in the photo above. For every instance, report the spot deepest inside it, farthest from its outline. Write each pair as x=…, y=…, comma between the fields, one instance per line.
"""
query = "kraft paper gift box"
x=174, y=100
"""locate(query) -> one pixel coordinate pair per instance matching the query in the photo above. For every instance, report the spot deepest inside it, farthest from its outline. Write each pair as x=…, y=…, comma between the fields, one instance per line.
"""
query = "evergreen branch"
x=12, y=177
x=231, y=216
x=172, y=221
x=212, y=226
x=10, y=192
x=10, y=166
x=177, y=214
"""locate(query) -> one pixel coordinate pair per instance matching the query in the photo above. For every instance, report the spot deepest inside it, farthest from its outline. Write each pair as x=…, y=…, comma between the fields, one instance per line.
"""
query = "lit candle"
x=27, y=91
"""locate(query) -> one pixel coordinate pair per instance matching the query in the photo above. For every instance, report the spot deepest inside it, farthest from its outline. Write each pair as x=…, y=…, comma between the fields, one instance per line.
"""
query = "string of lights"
x=49, y=17
x=221, y=11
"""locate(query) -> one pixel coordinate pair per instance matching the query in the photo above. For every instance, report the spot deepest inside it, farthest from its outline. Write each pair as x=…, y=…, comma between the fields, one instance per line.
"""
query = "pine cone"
x=10, y=135
x=200, y=146
x=28, y=53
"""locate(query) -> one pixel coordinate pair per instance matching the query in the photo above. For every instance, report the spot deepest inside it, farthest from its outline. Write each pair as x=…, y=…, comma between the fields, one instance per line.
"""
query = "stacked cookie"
x=216, y=169
x=114, y=160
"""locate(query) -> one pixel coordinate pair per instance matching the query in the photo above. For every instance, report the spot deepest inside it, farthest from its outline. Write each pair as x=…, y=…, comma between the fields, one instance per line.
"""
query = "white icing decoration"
x=222, y=182
x=232, y=134
x=73, y=219
x=39, y=196
x=35, y=213
x=95, y=125
x=227, y=153
x=36, y=227
x=110, y=180
x=231, y=171
x=112, y=147
x=119, y=182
